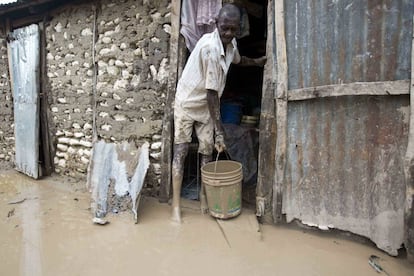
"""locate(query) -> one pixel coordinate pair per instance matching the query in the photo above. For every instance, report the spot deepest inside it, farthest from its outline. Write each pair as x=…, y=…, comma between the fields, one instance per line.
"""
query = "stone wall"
x=6, y=109
x=130, y=54
x=130, y=51
x=70, y=75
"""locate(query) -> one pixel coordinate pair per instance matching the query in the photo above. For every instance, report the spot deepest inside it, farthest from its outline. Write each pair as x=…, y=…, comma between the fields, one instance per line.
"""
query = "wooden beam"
x=382, y=88
x=409, y=169
x=280, y=109
x=27, y=20
x=267, y=134
x=168, y=127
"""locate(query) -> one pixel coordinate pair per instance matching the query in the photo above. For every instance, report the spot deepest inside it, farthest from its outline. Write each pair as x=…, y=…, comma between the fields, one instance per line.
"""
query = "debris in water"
x=99, y=221
x=373, y=262
x=11, y=213
x=21, y=200
x=17, y=201
x=222, y=231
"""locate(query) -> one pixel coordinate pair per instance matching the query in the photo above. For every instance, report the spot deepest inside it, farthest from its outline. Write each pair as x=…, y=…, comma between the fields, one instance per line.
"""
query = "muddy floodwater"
x=46, y=229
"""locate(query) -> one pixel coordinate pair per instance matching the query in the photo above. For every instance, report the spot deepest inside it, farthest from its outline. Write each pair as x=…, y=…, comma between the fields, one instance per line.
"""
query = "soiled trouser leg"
x=180, y=153
x=203, y=201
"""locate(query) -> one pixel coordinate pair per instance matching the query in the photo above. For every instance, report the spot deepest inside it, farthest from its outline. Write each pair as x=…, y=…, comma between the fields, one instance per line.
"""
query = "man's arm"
x=214, y=109
x=246, y=61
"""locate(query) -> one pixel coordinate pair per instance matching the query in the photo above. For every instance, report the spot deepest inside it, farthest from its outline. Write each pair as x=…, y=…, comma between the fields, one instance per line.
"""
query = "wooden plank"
x=409, y=169
x=168, y=127
x=400, y=87
x=267, y=134
x=9, y=55
x=95, y=74
x=280, y=109
x=44, y=106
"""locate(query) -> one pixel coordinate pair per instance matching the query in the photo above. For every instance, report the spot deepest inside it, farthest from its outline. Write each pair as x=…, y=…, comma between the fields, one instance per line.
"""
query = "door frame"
x=267, y=139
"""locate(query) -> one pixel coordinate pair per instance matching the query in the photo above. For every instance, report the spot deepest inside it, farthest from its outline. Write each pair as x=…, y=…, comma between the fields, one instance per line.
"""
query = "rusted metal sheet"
x=24, y=46
x=345, y=165
x=344, y=41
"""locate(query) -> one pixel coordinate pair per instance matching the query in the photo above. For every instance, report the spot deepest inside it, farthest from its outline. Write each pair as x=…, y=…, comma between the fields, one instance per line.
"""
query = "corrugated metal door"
x=24, y=46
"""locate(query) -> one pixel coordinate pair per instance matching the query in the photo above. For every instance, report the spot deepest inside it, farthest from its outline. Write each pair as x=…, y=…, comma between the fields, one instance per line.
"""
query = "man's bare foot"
x=176, y=215
x=203, y=204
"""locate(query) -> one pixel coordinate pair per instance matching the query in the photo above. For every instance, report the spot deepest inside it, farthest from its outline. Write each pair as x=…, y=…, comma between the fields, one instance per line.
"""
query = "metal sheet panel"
x=345, y=165
x=116, y=176
x=345, y=41
x=25, y=85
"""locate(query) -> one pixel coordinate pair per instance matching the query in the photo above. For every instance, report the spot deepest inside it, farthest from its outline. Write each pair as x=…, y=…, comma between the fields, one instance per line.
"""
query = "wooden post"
x=168, y=128
x=409, y=169
x=267, y=136
x=47, y=145
x=95, y=74
x=9, y=55
x=280, y=109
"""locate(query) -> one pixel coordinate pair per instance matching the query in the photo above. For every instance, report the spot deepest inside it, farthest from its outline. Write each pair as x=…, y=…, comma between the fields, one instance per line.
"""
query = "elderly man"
x=197, y=101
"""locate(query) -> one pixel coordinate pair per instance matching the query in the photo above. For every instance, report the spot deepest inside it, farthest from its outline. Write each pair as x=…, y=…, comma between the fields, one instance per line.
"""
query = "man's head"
x=228, y=23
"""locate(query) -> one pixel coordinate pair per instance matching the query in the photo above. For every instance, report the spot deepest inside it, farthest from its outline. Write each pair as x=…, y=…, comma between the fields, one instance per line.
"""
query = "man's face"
x=228, y=27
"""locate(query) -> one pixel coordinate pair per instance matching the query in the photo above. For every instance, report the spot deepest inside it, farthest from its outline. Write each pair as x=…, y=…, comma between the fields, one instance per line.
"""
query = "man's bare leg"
x=180, y=153
x=203, y=200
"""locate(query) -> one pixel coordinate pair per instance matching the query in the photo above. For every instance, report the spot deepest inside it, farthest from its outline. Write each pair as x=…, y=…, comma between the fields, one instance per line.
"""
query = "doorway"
x=240, y=106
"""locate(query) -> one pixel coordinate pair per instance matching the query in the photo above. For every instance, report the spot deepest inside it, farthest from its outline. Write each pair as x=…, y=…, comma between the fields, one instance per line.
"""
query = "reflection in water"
x=46, y=229
x=31, y=239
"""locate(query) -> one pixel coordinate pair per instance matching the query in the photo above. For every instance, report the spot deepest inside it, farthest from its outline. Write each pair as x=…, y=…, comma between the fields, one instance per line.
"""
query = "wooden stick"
x=280, y=109
x=168, y=130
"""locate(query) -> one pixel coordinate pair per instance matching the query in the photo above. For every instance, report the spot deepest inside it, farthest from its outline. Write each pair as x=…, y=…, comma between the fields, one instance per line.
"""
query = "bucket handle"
x=218, y=155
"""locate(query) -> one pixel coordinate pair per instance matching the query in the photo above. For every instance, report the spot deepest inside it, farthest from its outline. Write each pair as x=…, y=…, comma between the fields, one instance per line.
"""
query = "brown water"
x=46, y=229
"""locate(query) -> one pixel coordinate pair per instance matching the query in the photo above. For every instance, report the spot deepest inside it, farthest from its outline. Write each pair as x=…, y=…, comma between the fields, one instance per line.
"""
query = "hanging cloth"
x=197, y=18
x=207, y=12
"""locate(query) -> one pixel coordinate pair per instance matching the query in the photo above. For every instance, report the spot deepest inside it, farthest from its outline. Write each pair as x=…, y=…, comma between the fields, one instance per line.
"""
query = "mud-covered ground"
x=46, y=229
